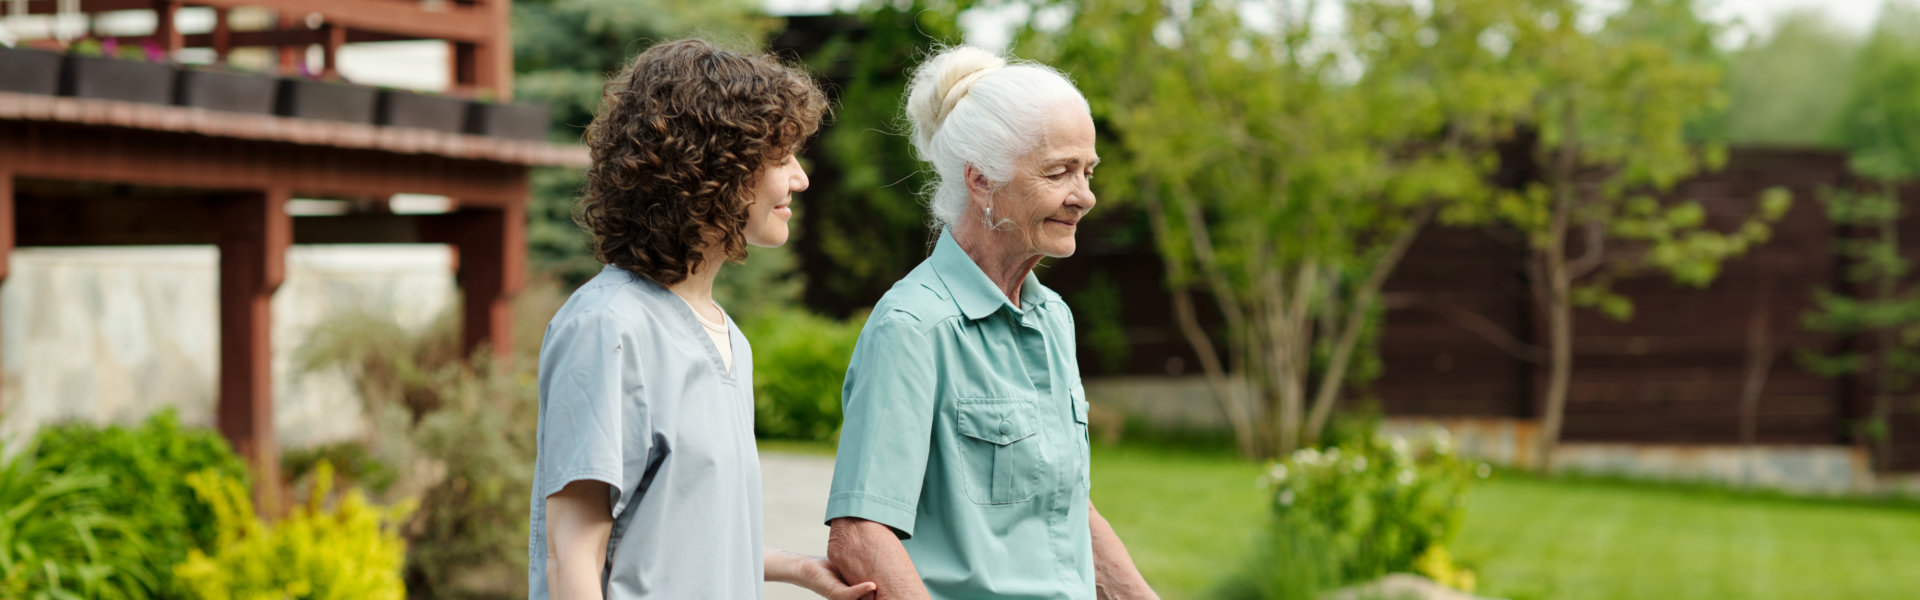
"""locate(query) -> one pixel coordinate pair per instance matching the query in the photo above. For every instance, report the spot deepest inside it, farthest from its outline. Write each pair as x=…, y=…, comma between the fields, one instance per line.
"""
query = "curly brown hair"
x=681, y=133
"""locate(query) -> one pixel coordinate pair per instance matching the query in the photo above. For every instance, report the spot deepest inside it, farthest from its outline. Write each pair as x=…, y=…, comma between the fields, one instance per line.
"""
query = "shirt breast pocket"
x=999, y=455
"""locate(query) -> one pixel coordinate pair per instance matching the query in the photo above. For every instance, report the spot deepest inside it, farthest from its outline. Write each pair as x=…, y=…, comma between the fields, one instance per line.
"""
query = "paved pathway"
x=794, y=498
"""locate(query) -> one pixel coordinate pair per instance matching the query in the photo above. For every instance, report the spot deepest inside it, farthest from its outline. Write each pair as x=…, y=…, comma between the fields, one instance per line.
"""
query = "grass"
x=1189, y=519
x=1573, y=539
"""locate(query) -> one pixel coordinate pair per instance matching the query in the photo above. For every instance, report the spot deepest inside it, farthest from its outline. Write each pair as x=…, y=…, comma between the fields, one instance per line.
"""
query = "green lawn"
x=1189, y=519
x=1572, y=539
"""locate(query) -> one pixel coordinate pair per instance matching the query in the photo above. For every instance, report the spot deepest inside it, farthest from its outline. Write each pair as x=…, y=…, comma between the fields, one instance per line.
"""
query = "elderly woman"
x=647, y=484
x=963, y=463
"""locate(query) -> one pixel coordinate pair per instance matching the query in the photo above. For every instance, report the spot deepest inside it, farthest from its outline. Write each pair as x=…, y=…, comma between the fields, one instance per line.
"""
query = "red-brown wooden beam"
x=297, y=38
x=450, y=21
x=166, y=159
x=255, y=233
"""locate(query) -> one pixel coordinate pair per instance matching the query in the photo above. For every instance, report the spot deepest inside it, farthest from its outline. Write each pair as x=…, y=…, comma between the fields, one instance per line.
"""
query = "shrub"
x=145, y=486
x=799, y=363
x=58, y=540
x=346, y=552
x=461, y=431
x=1360, y=510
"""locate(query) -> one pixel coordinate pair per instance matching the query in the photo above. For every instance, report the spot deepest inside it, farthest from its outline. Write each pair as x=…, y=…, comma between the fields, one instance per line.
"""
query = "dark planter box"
x=439, y=113
x=512, y=121
x=308, y=99
x=115, y=79
x=30, y=71
x=225, y=90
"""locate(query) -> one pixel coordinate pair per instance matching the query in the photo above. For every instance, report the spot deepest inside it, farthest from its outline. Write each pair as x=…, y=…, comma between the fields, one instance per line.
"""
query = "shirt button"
x=1006, y=427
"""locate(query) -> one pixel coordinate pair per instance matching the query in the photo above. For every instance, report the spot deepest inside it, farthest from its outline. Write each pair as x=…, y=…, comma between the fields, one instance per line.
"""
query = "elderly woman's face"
x=1051, y=188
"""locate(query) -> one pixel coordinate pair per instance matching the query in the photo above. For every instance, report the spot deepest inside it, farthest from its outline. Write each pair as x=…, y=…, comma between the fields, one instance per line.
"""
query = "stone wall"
x=110, y=335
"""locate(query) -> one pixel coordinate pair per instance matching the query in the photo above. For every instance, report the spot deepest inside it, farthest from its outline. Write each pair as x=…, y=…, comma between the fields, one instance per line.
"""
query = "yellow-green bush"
x=347, y=552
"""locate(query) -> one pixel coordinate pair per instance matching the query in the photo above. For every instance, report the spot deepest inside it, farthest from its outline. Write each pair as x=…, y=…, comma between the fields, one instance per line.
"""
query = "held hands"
x=819, y=577
x=816, y=575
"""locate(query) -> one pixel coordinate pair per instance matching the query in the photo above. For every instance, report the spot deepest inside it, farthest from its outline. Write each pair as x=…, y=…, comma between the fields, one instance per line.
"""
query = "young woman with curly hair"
x=647, y=484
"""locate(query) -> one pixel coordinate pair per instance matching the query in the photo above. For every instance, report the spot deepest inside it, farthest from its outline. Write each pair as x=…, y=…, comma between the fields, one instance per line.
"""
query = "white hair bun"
x=940, y=83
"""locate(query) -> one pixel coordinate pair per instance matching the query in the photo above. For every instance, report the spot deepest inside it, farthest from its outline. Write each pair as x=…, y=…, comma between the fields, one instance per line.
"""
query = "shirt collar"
x=975, y=293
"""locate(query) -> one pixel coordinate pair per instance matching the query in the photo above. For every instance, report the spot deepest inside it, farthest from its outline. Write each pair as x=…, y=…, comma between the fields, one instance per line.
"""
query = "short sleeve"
x=888, y=402
x=585, y=405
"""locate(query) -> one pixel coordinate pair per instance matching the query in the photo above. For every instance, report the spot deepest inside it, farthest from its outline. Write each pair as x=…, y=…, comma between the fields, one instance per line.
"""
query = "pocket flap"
x=997, y=423
x=1080, y=405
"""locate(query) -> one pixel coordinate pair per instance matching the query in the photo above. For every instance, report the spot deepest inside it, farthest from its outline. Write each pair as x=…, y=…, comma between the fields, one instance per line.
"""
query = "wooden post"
x=6, y=223
x=330, y=53
x=222, y=36
x=255, y=235
x=6, y=247
x=491, y=249
x=486, y=65
x=165, y=33
x=494, y=68
x=290, y=56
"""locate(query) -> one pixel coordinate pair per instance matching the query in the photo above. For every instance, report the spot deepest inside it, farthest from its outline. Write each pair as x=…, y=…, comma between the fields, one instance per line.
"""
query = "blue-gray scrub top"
x=966, y=432
x=633, y=393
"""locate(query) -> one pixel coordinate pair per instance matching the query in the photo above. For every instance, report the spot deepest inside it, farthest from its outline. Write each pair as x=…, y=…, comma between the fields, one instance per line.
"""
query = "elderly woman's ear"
x=978, y=185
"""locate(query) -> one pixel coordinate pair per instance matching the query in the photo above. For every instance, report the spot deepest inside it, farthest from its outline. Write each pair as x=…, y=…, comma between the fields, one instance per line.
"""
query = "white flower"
x=1484, y=470
x=1286, y=498
x=1360, y=464
x=1400, y=447
x=1333, y=455
x=1306, y=456
x=1405, y=477
x=1277, y=473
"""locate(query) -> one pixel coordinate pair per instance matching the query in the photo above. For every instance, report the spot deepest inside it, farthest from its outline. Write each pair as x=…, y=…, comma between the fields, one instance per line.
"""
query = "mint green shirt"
x=966, y=432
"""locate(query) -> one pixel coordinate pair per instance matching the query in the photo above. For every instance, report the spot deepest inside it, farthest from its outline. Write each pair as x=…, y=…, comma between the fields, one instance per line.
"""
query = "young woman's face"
x=773, y=189
x=1052, y=188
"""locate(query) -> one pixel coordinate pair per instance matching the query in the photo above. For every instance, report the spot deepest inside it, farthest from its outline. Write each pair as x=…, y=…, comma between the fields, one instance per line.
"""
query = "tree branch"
x=1595, y=254
x=1474, y=323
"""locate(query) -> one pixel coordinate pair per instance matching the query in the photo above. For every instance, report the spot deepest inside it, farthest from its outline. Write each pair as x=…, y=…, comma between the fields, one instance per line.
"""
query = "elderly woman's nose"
x=1083, y=197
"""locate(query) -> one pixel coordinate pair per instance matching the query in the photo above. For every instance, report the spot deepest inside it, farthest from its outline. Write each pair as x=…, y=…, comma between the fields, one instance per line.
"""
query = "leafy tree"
x=863, y=223
x=1275, y=183
x=1881, y=119
x=1611, y=110
x=1781, y=86
x=1287, y=167
x=563, y=52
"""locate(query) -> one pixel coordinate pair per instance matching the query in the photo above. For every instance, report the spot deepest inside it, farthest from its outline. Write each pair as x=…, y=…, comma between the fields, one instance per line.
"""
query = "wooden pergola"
x=88, y=172
x=477, y=32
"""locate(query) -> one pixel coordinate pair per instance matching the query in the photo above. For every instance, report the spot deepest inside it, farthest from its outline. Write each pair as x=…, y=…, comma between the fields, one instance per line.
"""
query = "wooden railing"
x=477, y=31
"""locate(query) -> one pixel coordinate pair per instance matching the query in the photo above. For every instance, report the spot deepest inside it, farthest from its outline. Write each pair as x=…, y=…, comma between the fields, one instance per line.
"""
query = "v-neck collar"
x=690, y=324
